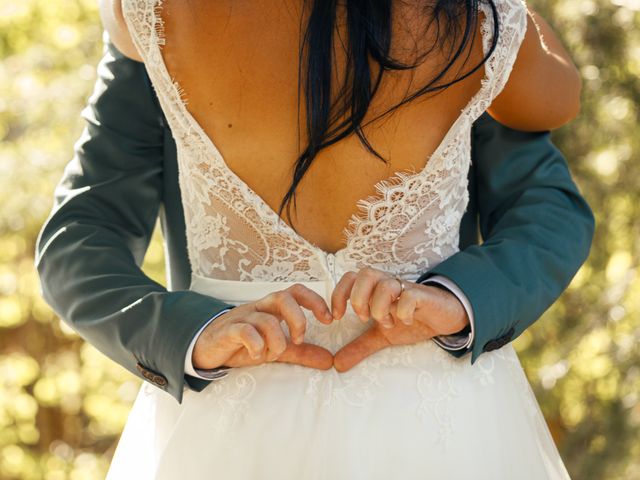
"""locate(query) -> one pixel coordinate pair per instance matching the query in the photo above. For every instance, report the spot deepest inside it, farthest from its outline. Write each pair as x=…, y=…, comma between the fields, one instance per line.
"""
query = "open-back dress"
x=406, y=412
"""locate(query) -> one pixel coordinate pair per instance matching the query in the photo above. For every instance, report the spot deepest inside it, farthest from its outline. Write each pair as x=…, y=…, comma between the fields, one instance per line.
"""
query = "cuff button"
x=499, y=342
x=153, y=377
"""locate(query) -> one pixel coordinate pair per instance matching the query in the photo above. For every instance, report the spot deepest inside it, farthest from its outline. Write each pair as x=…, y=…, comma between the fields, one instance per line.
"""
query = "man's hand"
x=251, y=334
x=420, y=313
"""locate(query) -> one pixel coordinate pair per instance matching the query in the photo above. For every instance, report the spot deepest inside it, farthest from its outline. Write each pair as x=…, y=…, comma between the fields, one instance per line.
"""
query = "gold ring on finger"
x=401, y=287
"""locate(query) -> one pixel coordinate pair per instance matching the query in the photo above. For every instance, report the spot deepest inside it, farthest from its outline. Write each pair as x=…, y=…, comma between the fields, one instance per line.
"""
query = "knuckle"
x=296, y=288
x=390, y=282
x=278, y=296
x=348, y=278
x=358, y=307
x=288, y=297
x=257, y=318
x=246, y=330
x=388, y=285
x=412, y=295
x=260, y=318
x=368, y=271
x=351, y=274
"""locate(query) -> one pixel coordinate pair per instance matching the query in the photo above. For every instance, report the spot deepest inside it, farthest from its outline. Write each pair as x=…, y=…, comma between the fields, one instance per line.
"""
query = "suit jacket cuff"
x=456, y=341
x=205, y=374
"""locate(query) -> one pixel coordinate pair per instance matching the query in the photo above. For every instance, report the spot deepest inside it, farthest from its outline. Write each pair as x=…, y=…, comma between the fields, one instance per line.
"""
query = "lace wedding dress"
x=406, y=412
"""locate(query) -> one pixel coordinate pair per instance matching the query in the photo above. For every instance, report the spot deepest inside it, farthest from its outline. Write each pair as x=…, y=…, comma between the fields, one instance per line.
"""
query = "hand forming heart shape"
x=418, y=314
x=403, y=316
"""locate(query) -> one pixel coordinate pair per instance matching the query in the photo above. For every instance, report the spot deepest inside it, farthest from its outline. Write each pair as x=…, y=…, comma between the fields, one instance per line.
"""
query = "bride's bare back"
x=237, y=64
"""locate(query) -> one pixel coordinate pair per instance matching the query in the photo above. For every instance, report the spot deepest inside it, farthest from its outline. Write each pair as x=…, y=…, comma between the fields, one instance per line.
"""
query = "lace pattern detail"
x=410, y=226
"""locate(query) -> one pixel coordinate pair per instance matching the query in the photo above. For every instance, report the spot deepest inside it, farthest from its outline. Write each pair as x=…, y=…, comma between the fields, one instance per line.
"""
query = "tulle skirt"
x=406, y=412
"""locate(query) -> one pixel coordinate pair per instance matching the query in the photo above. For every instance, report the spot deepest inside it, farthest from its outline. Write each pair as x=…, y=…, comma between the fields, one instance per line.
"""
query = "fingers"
x=362, y=290
x=371, y=341
x=246, y=334
x=404, y=309
x=272, y=333
x=357, y=287
x=282, y=305
x=310, y=300
x=341, y=293
x=372, y=293
x=285, y=304
x=261, y=334
x=384, y=296
x=257, y=327
x=307, y=355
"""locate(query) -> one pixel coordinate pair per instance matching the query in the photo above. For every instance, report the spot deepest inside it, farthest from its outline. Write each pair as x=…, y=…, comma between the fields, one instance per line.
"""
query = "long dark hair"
x=369, y=32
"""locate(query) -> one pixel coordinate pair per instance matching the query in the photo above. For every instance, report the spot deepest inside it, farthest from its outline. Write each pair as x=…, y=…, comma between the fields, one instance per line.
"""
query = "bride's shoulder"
x=115, y=25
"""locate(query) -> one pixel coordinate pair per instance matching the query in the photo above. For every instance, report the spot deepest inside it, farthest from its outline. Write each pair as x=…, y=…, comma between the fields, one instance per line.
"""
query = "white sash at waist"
x=237, y=292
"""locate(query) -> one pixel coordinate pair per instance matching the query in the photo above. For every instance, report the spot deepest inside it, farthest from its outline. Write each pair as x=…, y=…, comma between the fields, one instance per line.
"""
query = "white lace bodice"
x=411, y=225
x=434, y=406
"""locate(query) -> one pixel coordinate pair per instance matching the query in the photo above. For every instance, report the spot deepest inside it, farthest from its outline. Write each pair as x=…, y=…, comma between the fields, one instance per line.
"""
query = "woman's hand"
x=251, y=334
x=421, y=312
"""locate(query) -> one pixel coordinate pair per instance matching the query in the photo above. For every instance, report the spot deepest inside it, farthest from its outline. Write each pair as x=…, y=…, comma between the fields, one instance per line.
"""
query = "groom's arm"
x=89, y=251
x=537, y=230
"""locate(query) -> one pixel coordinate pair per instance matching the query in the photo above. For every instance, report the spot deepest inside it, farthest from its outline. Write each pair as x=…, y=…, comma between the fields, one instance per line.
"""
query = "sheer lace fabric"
x=407, y=228
x=405, y=412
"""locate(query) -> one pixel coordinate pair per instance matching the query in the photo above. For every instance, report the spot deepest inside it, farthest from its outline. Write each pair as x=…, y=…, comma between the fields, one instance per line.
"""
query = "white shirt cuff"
x=454, y=342
x=188, y=362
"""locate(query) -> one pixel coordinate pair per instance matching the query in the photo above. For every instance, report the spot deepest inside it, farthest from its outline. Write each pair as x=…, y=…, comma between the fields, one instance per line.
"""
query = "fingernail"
x=387, y=325
x=328, y=316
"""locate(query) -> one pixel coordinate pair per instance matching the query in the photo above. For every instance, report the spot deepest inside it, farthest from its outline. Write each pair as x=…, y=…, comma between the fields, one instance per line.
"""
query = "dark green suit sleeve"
x=537, y=231
x=90, y=248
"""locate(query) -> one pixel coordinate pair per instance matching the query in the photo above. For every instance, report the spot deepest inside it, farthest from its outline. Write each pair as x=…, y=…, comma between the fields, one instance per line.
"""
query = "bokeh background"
x=63, y=404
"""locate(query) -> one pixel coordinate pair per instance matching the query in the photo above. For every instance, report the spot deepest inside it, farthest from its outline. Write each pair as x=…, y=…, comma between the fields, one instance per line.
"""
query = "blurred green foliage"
x=63, y=404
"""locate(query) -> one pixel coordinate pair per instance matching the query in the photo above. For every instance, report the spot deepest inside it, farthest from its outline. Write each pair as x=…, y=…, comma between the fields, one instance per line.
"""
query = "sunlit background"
x=63, y=404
